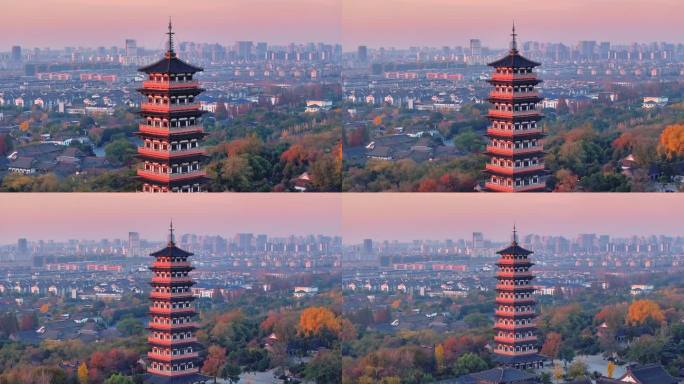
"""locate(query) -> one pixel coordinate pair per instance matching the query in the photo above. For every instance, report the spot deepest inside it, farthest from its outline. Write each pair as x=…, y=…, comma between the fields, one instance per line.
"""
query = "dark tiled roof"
x=22, y=163
x=189, y=379
x=172, y=251
x=514, y=60
x=650, y=374
x=514, y=249
x=170, y=65
x=500, y=375
x=518, y=359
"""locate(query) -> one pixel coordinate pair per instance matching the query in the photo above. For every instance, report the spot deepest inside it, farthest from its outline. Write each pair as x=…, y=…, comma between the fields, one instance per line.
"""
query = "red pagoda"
x=173, y=356
x=515, y=148
x=171, y=157
x=515, y=332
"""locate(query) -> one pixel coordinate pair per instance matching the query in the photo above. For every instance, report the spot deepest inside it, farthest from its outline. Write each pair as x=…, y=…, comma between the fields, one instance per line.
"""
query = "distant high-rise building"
x=587, y=49
x=171, y=156
x=475, y=50
x=131, y=51
x=261, y=49
x=367, y=247
x=133, y=244
x=478, y=240
x=173, y=355
x=16, y=54
x=22, y=248
x=515, y=332
x=515, y=148
x=362, y=54
x=244, y=242
x=244, y=49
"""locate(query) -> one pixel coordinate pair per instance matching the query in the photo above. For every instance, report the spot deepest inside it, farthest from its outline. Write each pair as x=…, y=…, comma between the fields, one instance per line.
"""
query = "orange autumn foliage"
x=642, y=310
x=314, y=320
x=552, y=345
x=671, y=141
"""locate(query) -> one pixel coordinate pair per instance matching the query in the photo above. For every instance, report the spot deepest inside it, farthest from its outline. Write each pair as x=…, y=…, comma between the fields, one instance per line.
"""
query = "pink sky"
x=99, y=215
x=457, y=215
x=109, y=22
x=354, y=216
x=404, y=23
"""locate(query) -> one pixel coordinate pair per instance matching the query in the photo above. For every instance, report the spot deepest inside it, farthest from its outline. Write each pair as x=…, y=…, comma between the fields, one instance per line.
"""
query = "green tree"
x=469, y=363
x=120, y=152
x=325, y=367
x=130, y=327
x=118, y=378
x=577, y=369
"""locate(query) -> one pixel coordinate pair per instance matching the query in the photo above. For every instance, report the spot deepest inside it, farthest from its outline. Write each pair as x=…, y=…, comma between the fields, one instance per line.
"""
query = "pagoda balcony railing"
x=514, y=326
x=168, y=311
x=502, y=339
x=167, y=177
x=515, y=274
x=161, y=295
x=514, y=132
x=496, y=114
x=506, y=300
x=512, y=170
x=171, y=280
x=513, y=313
x=163, y=85
x=171, y=342
x=176, y=264
x=513, y=77
x=514, y=151
x=162, y=357
x=172, y=373
x=506, y=287
x=513, y=95
x=151, y=107
x=151, y=129
x=515, y=353
x=513, y=262
x=505, y=188
x=168, y=153
x=171, y=327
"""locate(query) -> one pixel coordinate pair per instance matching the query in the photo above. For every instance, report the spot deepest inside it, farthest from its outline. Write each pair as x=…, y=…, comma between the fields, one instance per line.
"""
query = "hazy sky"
x=453, y=22
x=457, y=215
x=354, y=216
x=109, y=22
x=398, y=23
x=96, y=215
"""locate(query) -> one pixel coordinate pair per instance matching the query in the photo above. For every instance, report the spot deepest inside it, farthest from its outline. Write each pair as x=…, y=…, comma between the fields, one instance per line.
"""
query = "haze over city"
x=45, y=23
x=403, y=23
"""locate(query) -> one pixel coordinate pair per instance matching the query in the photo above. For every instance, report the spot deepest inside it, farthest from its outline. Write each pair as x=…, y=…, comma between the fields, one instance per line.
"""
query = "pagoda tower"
x=173, y=356
x=171, y=157
x=515, y=147
x=515, y=332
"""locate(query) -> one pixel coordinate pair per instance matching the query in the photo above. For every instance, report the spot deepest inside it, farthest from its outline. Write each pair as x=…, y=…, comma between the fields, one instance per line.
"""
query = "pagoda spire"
x=171, y=236
x=170, y=52
x=515, y=235
x=514, y=42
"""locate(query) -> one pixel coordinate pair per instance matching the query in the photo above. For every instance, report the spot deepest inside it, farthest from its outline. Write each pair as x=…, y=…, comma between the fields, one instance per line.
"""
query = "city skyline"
x=105, y=23
x=407, y=23
x=72, y=216
x=354, y=217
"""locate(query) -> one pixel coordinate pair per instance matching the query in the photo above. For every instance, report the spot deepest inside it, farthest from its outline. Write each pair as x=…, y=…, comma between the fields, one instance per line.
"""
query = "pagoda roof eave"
x=514, y=60
x=170, y=65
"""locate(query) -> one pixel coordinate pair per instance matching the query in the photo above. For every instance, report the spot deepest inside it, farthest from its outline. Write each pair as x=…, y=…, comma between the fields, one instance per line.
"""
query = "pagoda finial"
x=514, y=42
x=515, y=234
x=171, y=237
x=170, y=52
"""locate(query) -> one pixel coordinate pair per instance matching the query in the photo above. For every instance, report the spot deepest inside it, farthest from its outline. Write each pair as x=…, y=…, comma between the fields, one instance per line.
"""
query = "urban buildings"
x=173, y=356
x=515, y=149
x=171, y=156
x=515, y=339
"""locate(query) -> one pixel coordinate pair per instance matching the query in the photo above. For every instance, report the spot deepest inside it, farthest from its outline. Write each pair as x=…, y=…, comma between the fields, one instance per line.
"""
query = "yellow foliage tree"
x=315, y=319
x=396, y=304
x=610, y=369
x=558, y=371
x=82, y=373
x=671, y=142
x=44, y=308
x=377, y=120
x=642, y=310
x=439, y=357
